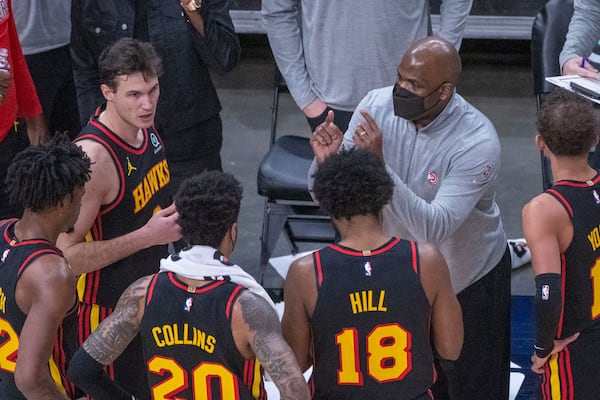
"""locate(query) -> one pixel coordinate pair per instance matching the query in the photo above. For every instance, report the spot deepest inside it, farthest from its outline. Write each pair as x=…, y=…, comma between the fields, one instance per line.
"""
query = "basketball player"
x=125, y=220
x=38, y=304
x=562, y=226
x=202, y=335
x=364, y=311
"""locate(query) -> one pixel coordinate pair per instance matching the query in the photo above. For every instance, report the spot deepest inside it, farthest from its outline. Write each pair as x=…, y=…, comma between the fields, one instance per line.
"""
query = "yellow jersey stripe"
x=56, y=377
x=256, y=380
x=555, y=392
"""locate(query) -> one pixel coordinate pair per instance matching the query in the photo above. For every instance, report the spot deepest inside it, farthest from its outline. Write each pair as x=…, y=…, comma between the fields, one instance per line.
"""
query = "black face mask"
x=408, y=105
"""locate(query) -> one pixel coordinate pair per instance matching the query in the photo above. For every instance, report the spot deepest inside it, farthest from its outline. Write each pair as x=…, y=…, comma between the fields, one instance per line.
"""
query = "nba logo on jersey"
x=545, y=292
x=4, y=255
x=596, y=197
x=188, y=304
x=368, y=268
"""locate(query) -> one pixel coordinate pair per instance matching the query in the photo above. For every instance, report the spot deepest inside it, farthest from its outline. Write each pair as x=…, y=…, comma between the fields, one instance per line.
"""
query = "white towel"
x=208, y=263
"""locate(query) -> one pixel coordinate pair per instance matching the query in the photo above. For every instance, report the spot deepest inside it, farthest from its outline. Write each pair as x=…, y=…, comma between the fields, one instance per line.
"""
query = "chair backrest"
x=279, y=86
x=548, y=35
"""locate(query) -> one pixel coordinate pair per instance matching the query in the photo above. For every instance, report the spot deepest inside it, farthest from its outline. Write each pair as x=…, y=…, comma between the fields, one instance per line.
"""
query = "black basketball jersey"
x=188, y=345
x=370, y=324
x=580, y=263
x=143, y=190
x=15, y=257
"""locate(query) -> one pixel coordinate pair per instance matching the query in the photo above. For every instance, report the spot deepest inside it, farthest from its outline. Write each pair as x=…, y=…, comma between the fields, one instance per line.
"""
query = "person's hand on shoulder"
x=163, y=228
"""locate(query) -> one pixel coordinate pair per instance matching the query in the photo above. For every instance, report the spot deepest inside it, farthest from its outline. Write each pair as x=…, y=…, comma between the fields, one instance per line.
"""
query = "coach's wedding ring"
x=362, y=133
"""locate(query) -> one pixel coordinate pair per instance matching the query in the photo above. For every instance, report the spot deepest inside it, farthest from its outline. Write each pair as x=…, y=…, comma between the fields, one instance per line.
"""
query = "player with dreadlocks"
x=38, y=306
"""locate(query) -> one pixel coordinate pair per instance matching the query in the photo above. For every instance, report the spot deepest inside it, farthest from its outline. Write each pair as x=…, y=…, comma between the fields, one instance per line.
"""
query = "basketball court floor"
x=496, y=79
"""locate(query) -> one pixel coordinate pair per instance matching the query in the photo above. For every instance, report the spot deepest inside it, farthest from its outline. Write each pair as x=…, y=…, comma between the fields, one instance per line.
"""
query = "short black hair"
x=567, y=123
x=127, y=56
x=41, y=177
x=352, y=182
x=208, y=205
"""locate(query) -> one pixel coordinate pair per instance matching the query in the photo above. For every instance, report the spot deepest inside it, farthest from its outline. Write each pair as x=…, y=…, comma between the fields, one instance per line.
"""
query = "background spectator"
x=18, y=99
x=188, y=110
x=44, y=31
x=332, y=52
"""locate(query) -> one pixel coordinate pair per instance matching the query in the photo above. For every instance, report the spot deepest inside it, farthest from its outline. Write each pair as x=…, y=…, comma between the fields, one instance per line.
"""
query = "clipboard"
x=585, y=87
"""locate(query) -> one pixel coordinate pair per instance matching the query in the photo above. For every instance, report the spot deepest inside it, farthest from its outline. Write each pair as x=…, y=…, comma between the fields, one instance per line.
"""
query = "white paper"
x=564, y=81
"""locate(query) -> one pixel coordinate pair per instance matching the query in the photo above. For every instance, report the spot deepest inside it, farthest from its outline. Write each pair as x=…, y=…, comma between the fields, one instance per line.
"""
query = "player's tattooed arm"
x=114, y=333
x=271, y=350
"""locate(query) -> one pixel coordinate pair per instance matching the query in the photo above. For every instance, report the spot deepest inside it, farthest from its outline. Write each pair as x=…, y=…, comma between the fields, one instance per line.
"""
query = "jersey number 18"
x=388, y=354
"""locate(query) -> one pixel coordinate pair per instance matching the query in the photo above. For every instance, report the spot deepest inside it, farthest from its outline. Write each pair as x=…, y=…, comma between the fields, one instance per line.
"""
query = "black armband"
x=548, y=307
x=89, y=375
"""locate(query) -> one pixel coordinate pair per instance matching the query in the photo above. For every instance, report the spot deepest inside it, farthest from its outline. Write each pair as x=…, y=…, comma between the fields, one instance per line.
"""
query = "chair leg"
x=275, y=216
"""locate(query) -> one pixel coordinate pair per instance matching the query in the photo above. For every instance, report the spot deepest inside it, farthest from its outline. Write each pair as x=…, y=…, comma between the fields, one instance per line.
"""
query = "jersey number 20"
x=202, y=374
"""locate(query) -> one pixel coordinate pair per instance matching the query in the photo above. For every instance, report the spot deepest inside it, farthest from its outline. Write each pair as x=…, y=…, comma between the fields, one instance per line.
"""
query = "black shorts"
x=483, y=369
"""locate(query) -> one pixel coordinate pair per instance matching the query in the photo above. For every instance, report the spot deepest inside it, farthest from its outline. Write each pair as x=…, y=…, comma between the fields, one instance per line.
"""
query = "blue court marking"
x=522, y=339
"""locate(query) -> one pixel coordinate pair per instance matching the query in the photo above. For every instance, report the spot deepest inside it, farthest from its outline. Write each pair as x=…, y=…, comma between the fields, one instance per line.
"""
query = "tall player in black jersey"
x=126, y=219
x=562, y=227
x=363, y=311
x=202, y=335
x=38, y=305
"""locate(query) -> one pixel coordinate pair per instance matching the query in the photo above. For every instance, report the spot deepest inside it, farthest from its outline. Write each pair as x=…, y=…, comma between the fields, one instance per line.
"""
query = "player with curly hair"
x=194, y=319
x=562, y=226
x=38, y=305
x=365, y=311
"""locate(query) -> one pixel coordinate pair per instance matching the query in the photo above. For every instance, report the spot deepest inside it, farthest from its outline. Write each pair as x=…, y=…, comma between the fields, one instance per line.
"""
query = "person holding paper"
x=577, y=56
x=581, y=52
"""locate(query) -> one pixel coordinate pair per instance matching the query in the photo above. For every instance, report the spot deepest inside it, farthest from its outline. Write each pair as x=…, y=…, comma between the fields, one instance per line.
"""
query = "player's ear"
x=539, y=142
x=446, y=92
x=107, y=92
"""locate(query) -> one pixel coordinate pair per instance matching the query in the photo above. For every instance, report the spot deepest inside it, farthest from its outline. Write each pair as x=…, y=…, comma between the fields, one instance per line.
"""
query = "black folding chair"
x=282, y=180
x=548, y=35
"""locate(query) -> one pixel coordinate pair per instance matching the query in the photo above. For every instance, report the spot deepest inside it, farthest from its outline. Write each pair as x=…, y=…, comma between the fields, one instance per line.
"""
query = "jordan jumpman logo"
x=130, y=167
